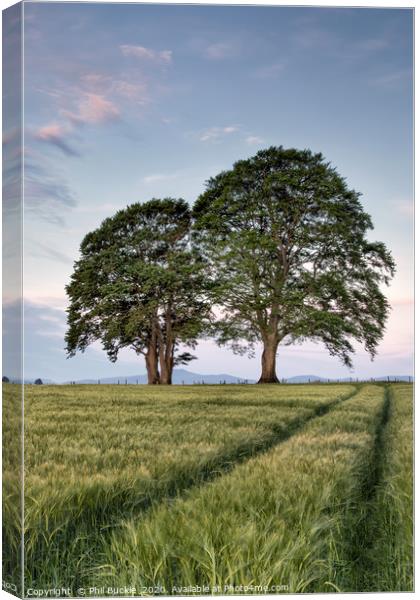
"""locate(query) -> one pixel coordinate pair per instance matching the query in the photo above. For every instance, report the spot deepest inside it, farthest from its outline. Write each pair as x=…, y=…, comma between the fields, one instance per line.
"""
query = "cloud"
x=93, y=109
x=46, y=196
x=270, y=71
x=158, y=177
x=133, y=91
x=217, y=133
x=166, y=56
x=56, y=135
x=220, y=51
x=95, y=83
x=45, y=251
x=393, y=79
x=142, y=53
x=94, y=98
x=106, y=207
x=254, y=140
x=12, y=169
x=105, y=85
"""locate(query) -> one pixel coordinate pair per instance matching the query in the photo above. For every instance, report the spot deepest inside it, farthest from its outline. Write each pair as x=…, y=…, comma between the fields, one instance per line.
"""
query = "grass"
x=11, y=485
x=274, y=521
x=210, y=485
x=148, y=444
x=388, y=558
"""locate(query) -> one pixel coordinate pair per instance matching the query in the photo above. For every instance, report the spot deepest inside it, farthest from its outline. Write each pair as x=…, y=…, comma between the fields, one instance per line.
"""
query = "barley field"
x=137, y=490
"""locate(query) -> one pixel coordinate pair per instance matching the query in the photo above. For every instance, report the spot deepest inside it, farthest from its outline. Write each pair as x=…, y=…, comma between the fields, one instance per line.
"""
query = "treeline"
x=274, y=251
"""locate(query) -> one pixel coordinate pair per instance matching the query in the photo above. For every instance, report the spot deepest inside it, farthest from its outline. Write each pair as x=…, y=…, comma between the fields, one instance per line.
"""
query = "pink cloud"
x=142, y=53
x=103, y=85
x=49, y=132
x=94, y=108
x=56, y=135
x=95, y=80
x=132, y=91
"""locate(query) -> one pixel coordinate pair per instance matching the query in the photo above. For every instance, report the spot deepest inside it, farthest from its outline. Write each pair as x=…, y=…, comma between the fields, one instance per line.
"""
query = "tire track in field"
x=133, y=503
x=98, y=520
x=183, y=481
x=362, y=536
x=222, y=464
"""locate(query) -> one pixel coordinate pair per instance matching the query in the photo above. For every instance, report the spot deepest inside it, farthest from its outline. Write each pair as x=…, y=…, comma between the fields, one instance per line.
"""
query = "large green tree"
x=139, y=285
x=288, y=243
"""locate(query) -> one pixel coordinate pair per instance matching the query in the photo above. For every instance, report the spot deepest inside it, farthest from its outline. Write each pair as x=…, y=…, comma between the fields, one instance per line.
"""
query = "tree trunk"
x=268, y=361
x=152, y=364
x=166, y=351
x=153, y=377
x=166, y=374
x=166, y=364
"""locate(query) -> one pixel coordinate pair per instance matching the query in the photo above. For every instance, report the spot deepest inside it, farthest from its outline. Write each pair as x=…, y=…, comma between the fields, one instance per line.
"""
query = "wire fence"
x=284, y=381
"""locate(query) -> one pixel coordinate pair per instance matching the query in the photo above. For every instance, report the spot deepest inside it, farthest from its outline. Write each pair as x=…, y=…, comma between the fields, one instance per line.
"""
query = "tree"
x=139, y=285
x=287, y=240
x=38, y=381
x=5, y=379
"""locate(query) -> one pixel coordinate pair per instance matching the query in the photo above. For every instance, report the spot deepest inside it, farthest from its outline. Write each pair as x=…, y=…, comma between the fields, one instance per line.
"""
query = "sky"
x=123, y=103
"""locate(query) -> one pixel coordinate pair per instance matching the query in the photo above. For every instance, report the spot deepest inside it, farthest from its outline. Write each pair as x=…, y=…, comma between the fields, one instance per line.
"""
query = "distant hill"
x=180, y=376
x=184, y=377
x=305, y=379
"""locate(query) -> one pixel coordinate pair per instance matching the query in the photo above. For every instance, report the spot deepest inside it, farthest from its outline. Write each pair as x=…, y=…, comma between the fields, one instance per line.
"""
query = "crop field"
x=273, y=488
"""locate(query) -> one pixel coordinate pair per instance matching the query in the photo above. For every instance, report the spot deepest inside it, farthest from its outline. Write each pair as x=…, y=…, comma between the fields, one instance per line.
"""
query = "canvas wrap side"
x=12, y=315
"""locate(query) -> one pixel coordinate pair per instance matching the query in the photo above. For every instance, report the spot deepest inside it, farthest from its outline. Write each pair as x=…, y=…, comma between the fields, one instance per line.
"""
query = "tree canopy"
x=287, y=242
x=138, y=284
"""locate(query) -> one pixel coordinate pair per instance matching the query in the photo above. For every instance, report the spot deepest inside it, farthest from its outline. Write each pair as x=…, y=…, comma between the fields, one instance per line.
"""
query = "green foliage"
x=138, y=284
x=288, y=242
